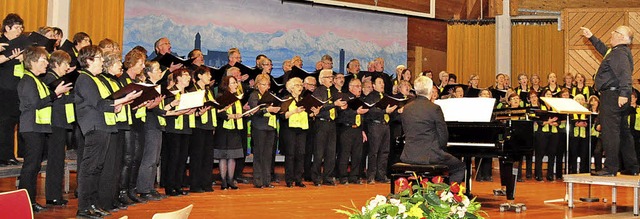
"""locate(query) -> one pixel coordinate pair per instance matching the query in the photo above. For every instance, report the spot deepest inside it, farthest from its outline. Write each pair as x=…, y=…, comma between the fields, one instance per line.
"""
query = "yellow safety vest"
x=125, y=114
x=43, y=116
x=231, y=123
x=298, y=120
x=545, y=128
x=179, y=122
x=18, y=70
x=204, y=118
x=109, y=117
x=580, y=131
x=272, y=118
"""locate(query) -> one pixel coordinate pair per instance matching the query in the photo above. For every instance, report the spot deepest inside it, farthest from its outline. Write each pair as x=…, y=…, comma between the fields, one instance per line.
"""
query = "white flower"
x=381, y=199
x=389, y=217
x=465, y=201
x=461, y=211
x=394, y=201
x=446, y=196
x=402, y=209
x=364, y=210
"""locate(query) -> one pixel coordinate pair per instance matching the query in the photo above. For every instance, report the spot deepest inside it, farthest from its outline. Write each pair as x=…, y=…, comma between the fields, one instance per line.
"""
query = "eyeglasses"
x=97, y=57
x=328, y=77
x=267, y=64
x=297, y=85
x=263, y=84
x=312, y=85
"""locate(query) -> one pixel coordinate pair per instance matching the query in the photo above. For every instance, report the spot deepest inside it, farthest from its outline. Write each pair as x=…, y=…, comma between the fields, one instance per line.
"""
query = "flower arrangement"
x=427, y=200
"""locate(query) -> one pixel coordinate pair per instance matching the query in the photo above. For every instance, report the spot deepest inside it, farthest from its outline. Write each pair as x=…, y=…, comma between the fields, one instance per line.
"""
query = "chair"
x=16, y=203
x=179, y=214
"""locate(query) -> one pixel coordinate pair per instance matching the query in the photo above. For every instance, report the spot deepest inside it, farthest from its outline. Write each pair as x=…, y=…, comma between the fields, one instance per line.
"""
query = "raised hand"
x=586, y=32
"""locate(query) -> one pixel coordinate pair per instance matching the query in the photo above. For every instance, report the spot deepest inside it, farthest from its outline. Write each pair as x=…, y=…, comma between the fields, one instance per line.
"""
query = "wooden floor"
x=319, y=202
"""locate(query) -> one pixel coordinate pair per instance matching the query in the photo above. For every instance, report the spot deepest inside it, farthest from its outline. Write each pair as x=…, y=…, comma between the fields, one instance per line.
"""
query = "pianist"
x=426, y=132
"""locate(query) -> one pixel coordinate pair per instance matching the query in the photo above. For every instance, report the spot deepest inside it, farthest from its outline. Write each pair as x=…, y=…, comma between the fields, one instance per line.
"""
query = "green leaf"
x=393, y=210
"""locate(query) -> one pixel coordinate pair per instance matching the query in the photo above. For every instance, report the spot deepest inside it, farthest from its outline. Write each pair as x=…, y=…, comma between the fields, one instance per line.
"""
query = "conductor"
x=426, y=132
x=613, y=81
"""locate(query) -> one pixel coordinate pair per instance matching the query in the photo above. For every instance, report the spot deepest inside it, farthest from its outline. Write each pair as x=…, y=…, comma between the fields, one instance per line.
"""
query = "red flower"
x=402, y=183
x=455, y=188
x=437, y=179
x=424, y=182
x=458, y=198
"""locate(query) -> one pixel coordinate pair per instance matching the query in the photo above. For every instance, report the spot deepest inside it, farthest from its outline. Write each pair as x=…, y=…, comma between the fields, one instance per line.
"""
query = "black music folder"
x=390, y=101
x=38, y=39
x=356, y=103
x=223, y=101
x=472, y=92
x=309, y=102
x=167, y=59
x=149, y=92
x=301, y=73
x=70, y=77
x=270, y=99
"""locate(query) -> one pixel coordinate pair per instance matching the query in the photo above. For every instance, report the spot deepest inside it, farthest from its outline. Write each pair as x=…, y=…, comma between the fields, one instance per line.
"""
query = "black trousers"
x=110, y=176
x=96, y=145
x=484, y=167
x=177, y=152
x=547, y=144
x=294, y=140
x=262, y=155
x=395, y=131
x=32, y=162
x=596, y=152
x=241, y=162
x=579, y=147
x=55, y=163
x=351, y=147
x=325, y=150
x=79, y=139
x=133, y=142
x=308, y=151
x=8, y=124
x=201, y=159
x=378, y=151
x=616, y=135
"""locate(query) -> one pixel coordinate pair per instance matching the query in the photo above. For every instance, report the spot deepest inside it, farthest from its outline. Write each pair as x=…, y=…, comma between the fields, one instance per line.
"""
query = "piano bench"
x=422, y=170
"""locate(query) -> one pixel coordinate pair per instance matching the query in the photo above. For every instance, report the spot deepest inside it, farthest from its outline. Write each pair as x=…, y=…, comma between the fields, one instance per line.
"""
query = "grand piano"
x=509, y=140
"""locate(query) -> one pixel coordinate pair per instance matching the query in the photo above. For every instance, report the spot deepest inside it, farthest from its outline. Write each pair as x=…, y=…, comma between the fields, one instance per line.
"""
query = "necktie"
x=332, y=111
x=358, y=120
x=386, y=116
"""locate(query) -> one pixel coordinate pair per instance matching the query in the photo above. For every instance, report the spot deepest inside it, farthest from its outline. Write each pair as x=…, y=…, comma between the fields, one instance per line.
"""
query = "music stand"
x=565, y=106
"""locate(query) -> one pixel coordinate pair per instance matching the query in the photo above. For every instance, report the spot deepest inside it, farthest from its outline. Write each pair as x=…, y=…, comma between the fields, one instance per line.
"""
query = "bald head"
x=622, y=35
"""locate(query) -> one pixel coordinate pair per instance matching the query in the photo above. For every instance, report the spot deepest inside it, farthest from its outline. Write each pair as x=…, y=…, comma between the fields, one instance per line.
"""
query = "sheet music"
x=191, y=100
x=565, y=105
x=472, y=109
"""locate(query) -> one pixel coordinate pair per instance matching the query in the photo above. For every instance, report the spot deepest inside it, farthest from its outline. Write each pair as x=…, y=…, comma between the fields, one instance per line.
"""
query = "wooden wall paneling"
x=557, y=5
x=581, y=56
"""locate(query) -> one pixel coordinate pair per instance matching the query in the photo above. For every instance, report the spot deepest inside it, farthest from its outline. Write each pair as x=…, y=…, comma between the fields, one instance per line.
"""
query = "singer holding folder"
x=96, y=116
x=263, y=133
x=228, y=146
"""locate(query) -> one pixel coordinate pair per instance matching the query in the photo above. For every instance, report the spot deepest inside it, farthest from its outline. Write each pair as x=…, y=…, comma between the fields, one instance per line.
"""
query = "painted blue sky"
x=279, y=30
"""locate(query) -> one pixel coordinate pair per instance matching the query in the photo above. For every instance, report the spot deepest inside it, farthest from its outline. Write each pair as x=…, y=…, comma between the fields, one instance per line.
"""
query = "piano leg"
x=467, y=176
x=508, y=176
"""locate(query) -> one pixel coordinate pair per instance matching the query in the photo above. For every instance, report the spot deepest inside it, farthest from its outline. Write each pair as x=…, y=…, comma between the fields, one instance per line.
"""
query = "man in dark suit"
x=613, y=81
x=426, y=132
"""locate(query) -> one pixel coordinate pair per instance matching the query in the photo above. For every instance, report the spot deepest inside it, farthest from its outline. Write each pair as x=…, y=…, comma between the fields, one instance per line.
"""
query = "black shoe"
x=134, y=197
x=344, y=181
x=120, y=205
x=157, y=194
x=603, y=173
x=88, y=213
x=317, y=184
x=13, y=161
x=520, y=179
x=196, y=190
x=550, y=178
x=57, y=202
x=629, y=173
x=242, y=180
x=488, y=178
x=300, y=184
x=150, y=197
x=233, y=186
x=539, y=179
x=258, y=187
x=357, y=181
x=371, y=182
x=100, y=211
x=37, y=208
x=529, y=176
x=270, y=186
x=208, y=189
x=289, y=184
x=182, y=192
x=124, y=198
x=330, y=183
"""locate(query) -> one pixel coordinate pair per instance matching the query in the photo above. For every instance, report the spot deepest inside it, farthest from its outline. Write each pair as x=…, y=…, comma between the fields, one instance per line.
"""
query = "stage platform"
x=614, y=182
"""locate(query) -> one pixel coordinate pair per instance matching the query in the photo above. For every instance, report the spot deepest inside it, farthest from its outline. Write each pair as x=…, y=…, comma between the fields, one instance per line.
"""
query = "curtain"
x=471, y=51
x=537, y=49
x=33, y=12
x=98, y=18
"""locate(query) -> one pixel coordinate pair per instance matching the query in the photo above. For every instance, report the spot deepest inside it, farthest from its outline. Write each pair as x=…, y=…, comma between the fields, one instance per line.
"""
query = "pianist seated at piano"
x=426, y=132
